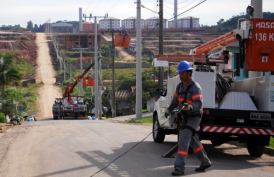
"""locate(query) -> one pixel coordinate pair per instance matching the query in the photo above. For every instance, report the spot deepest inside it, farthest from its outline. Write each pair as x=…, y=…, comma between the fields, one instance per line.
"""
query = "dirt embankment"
x=21, y=44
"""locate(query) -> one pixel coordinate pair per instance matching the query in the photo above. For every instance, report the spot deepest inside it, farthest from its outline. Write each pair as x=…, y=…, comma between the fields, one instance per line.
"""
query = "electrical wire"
x=88, y=6
x=167, y=13
x=188, y=9
x=96, y=6
x=187, y=5
x=113, y=6
x=129, y=149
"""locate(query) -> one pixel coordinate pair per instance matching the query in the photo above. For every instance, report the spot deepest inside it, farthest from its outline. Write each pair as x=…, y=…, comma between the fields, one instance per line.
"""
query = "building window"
x=89, y=43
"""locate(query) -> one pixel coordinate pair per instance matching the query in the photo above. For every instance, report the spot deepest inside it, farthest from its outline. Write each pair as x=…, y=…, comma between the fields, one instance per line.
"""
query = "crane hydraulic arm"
x=256, y=41
x=199, y=54
x=70, y=87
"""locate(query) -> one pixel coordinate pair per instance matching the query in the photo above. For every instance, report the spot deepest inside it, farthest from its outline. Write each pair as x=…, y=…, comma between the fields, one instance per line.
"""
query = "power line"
x=88, y=6
x=96, y=6
x=167, y=13
x=182, y=2
x=113, y=6
x=187, y=5
x=188, y=9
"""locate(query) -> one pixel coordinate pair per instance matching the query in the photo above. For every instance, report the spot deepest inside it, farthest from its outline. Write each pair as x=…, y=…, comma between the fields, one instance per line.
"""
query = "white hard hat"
x=75, y=102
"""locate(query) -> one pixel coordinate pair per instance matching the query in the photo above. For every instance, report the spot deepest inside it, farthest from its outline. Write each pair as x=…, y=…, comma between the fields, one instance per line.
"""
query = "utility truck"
x=68, y=101
x=233, y=110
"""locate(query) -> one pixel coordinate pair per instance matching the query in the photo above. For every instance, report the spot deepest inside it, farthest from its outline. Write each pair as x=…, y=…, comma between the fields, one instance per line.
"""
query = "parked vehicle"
x=68, y=101
x=240, y=111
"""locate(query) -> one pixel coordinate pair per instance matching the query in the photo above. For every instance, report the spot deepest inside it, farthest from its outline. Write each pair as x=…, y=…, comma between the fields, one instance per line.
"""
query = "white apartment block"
x=154, y=23
x=186, y=22
x=109, y=23
x=131, y=23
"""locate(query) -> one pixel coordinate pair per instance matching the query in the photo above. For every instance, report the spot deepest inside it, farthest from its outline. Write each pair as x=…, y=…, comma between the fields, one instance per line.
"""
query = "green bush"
x=2, y=118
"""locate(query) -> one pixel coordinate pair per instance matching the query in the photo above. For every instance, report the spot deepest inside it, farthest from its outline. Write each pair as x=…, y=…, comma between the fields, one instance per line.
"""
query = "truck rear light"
x=205, y=111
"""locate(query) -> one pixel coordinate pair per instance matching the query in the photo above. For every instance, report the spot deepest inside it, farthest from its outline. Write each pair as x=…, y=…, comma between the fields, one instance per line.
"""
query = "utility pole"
x=113, y=107
x=161, y=47
x=113, y=76
x=98, y=112
x=138, y=106
x=175, y=13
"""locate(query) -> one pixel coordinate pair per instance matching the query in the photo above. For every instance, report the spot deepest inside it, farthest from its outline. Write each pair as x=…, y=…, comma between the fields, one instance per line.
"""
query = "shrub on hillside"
x=2, y=118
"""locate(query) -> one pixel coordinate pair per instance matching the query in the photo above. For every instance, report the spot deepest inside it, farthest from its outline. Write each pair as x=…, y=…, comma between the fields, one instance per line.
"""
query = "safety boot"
x=202, y=168
x=177, y=173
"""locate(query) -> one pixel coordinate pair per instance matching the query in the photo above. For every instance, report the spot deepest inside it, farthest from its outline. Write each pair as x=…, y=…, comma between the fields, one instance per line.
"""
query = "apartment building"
x=109, y=23
x=154, y=23
x=186, y=22
x=62, y=27
x=131, y=23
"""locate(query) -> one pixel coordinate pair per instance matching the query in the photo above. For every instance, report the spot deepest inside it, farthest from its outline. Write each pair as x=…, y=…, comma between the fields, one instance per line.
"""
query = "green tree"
x=8, y=76
x=35, y=29
x=12, y=94
x=30, y=25
x=220, y=21
x=8, y=108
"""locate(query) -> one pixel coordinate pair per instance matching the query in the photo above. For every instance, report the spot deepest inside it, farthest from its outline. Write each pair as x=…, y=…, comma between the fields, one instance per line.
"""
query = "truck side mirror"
x=160, y=92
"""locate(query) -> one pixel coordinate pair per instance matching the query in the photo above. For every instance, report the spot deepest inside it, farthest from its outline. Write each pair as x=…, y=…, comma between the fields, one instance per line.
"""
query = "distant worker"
x=188, y=96
x=76, y=110
x=61, y=110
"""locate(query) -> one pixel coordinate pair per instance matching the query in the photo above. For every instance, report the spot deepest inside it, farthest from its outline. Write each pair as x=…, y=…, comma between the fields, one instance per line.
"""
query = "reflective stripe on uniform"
x=185, y=153
x=187, y=101
x=175, y=94
x=198, y=149
x=194, y=97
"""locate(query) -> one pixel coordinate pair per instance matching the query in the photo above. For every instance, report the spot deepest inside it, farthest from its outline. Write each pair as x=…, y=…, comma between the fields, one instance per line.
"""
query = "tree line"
x=233, y=21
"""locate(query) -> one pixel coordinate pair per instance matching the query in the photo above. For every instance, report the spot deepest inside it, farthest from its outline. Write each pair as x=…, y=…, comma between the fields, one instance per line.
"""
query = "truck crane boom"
x=70, y=87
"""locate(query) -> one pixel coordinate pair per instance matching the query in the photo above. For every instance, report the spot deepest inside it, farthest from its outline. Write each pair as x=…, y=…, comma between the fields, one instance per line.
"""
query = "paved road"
x=82, y=147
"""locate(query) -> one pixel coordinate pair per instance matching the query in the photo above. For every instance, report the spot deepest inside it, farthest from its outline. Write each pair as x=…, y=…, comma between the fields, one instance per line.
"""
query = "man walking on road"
x=188, y=96
x=76, y=110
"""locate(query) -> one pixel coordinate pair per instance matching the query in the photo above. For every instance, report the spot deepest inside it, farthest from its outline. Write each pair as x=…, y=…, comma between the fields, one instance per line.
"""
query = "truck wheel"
x=255, y=149
x=158, y=132
x=55, y=117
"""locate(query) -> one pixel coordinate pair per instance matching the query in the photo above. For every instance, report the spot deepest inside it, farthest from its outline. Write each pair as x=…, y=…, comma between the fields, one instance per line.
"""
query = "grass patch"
x=144, y=110
x=140, y=121
x=271, y=143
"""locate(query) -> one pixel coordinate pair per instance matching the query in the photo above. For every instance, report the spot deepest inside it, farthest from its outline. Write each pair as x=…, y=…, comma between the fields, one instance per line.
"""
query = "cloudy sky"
x=39, y=11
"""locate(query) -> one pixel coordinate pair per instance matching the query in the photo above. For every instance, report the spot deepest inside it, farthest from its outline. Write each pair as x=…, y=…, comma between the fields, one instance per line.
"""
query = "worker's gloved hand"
x=187, y=107
x=167, y=113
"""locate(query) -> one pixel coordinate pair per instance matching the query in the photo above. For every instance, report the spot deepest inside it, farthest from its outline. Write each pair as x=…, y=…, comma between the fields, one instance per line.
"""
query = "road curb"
x=267, y=150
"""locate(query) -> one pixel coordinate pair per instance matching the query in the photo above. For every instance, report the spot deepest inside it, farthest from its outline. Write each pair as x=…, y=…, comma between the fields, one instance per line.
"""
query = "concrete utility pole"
x=258, y=13
x=175, y=13
x=138, y=107
x=98, y=111
x=80, y=20
x=113, y=107
x=161, y=47
x=113, y=76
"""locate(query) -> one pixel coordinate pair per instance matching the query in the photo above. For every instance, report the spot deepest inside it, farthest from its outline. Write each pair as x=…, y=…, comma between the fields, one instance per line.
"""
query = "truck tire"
x=255, y=149
x=55, y=117
x=157, y=131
